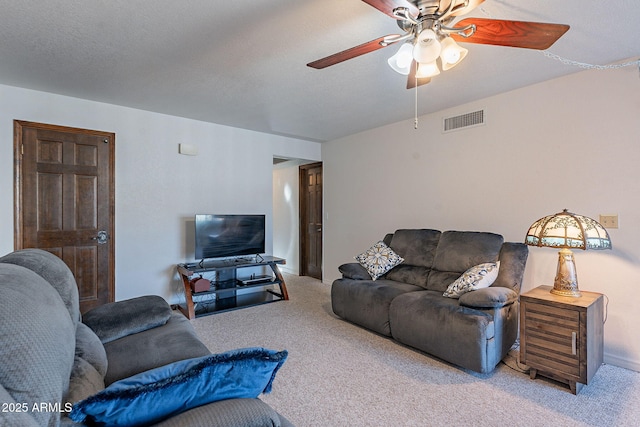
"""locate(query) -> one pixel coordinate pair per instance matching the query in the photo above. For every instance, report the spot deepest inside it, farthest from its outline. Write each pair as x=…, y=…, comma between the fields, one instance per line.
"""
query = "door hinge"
x=22, y=149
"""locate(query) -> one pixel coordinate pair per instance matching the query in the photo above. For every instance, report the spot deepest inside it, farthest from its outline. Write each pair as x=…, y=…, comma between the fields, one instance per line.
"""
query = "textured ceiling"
x=242, y=63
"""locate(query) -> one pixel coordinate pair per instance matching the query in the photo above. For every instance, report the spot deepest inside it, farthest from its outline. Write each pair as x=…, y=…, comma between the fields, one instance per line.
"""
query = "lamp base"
x=566, y=282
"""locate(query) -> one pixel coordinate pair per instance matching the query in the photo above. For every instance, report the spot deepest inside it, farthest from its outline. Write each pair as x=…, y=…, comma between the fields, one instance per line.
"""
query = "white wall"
x=286, y=218
x=158, y=191
x=573, y=142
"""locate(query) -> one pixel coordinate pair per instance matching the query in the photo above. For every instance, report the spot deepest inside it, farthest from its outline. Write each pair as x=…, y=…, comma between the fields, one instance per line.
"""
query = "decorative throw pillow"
x=477, y=277
x=379, y=259
x=154, y=395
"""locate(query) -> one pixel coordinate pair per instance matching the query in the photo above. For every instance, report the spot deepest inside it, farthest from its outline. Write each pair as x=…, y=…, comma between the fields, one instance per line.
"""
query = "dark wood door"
x=64, y=202
x=311, y=220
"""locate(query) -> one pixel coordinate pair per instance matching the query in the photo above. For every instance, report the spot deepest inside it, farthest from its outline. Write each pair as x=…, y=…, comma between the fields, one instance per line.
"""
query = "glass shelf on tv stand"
x=224, y=295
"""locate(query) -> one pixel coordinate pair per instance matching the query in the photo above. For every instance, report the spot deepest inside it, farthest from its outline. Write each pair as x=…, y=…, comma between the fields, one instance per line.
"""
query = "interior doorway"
x=64, y=202
x=287, y=229
x=311, y=220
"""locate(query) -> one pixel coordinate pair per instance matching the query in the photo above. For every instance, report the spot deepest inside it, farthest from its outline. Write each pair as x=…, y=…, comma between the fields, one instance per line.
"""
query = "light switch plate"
x=188, y=149
x=609, y=220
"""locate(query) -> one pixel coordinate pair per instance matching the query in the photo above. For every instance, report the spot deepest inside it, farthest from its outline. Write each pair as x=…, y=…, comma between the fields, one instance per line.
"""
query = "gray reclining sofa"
x=50, y=357
x=474, y=331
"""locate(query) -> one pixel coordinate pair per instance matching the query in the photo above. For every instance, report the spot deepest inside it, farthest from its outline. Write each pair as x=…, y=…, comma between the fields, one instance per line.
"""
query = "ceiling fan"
x=430, y=33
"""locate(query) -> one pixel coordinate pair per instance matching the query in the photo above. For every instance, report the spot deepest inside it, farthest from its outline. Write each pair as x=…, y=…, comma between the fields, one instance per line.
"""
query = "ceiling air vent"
x=463, y=121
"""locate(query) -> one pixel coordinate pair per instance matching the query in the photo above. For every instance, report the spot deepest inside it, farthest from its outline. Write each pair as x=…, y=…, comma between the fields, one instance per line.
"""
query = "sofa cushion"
x=160, y=393
x=130, y=355
x=457, y=252
x=38, y=341
x=444, y=328
x=230, y=412
x=378, y=259
x=477, y=277
x=366, y=302
x=119, y=319
x=54, y=271
x=410, y=274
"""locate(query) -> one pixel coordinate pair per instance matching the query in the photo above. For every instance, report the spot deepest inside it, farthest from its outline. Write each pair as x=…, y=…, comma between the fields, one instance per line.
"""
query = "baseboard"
x=621, y=362
x=286, y=270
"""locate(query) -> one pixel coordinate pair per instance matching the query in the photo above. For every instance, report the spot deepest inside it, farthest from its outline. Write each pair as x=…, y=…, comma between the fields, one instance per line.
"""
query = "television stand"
x=222, y=294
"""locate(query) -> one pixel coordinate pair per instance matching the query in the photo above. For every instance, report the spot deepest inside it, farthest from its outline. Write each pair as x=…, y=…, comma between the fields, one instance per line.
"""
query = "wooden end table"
x=562, y=337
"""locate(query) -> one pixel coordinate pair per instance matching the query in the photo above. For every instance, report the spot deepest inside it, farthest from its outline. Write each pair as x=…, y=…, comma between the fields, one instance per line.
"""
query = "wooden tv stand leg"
x=283, y=286
x=189, y=311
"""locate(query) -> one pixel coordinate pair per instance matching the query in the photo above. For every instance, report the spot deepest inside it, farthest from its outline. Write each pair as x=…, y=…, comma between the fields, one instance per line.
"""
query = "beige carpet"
x=338, y=374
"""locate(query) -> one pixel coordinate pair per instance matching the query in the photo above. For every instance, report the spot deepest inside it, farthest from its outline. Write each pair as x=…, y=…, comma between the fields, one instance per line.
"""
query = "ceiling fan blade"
x=529, y=35
x=412, y=81
x=472, y=5
x=371, y=46
x=387, y=6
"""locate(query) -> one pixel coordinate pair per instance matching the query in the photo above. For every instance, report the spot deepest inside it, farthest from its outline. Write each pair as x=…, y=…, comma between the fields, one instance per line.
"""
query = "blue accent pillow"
x=159, y=393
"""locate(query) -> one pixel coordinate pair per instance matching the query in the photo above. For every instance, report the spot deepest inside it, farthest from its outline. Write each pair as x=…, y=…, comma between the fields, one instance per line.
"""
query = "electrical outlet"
x=609, y=221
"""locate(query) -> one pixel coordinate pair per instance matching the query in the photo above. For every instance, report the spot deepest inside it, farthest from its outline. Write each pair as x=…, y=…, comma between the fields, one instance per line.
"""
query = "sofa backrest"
x=37, y=348
x=457, y=252
x=418, y=248
x=54, y=271
x=434, y=259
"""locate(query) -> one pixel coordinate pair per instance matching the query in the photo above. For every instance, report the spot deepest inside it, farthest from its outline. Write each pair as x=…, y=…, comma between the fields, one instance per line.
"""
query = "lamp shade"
x=427, y=48
x=451, y=54
x=401, y=61
x=568, y=230
x=426, y=70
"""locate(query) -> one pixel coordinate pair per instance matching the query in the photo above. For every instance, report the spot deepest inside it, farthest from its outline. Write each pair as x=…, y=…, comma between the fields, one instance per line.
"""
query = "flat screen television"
x=220, y=236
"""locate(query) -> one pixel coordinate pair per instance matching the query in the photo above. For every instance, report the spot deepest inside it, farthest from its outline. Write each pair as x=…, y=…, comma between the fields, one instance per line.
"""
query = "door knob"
x=102, y=237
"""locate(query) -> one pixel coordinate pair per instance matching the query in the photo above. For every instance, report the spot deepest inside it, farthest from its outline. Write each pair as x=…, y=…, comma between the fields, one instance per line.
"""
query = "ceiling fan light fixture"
x=401, y=61
x=451, y=54
x=427, y=47
x=427, y=69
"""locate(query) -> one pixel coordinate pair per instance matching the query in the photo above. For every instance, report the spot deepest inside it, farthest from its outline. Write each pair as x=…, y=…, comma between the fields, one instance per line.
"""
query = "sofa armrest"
x=119, y=319
x=491, y=297
x=355, y=271
x=230, y=412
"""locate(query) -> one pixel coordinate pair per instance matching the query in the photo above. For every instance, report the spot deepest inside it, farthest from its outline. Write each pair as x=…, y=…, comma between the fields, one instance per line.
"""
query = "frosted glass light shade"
x=427, y=70
x=401, y=61
x=427, y=47
x=451, y=54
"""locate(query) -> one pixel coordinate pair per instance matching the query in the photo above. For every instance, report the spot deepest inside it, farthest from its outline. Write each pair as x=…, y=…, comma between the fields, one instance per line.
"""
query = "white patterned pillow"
x=478, y=277
x=379, y=259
